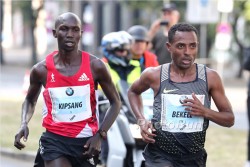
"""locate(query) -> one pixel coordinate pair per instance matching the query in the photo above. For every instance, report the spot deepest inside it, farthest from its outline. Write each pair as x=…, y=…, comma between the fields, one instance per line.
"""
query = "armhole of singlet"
x=87, y=58
x=165, y=73
x=49, y=61
x=202, y=73
x=205, y=73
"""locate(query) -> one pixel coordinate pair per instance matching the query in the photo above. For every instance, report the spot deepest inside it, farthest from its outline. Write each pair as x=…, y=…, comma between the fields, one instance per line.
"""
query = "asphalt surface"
x=7, y=161
x=17, y=65
x=10, y=159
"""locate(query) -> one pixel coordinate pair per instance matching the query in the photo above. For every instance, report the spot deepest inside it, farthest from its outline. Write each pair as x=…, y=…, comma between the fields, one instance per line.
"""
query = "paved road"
x=7, y=161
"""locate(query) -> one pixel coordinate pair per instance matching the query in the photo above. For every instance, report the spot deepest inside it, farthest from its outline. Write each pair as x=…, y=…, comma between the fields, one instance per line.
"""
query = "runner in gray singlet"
x=183, y=91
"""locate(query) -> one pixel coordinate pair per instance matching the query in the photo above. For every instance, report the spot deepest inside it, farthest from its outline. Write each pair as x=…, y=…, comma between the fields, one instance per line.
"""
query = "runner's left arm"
x=102, y=76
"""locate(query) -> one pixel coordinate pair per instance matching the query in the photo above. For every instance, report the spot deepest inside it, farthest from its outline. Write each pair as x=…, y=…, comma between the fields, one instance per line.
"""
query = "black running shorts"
x=53, y=146
x=156, y=157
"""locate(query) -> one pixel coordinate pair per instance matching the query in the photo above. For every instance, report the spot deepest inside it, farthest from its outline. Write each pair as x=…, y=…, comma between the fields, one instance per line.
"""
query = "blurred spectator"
x=158, y=32
x=139, y=47
x=116, y=54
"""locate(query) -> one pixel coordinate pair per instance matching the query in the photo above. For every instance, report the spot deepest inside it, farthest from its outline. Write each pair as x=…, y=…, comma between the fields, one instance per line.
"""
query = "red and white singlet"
x=70, y=101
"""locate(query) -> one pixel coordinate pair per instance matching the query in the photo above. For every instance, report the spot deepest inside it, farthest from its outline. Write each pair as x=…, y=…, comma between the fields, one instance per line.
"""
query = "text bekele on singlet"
x=174, y=117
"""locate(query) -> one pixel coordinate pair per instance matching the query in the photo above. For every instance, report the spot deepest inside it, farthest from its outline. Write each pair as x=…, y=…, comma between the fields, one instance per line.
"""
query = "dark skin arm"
x=148, y=79
x=102, y=76
x=225, y=116
x=28, y=106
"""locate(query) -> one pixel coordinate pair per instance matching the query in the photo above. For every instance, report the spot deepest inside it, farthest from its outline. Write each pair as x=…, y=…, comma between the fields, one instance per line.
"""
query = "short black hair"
x=184, y=27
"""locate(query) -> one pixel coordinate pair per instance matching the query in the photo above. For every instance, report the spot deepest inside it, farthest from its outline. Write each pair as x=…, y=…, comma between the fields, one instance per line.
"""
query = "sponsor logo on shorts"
x=91, y=161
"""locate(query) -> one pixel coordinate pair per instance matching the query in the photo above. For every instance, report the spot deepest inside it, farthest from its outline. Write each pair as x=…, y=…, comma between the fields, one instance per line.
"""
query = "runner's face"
x=183, y=49
x=68, y=33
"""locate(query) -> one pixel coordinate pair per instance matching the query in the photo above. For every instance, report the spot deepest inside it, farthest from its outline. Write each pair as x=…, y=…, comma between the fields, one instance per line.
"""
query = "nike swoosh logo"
x=168, y=91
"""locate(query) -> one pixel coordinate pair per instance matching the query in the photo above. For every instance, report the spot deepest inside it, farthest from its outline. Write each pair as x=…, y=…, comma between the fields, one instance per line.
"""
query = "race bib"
x=70, y=104
x=148, y=101
x=174, y=117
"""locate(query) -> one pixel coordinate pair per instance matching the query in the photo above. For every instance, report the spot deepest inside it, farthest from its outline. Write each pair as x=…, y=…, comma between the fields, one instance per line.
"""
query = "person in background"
x=158, y=32
x=70, y=77
x=182, y=105
x=139, y=47
x=116, y=54
x=126, y=57
x=116, y=49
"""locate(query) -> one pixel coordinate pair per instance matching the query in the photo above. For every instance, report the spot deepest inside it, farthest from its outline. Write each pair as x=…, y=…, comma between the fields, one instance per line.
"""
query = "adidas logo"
x=52, y=78
x=83, y=77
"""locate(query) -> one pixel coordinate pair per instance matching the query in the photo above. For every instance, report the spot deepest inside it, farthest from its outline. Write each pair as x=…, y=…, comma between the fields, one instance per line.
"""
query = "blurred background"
x=224, y=26
x=26, y=38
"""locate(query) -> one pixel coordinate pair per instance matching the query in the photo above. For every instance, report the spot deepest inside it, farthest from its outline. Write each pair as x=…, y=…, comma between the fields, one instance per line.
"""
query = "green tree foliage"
x=247, y=10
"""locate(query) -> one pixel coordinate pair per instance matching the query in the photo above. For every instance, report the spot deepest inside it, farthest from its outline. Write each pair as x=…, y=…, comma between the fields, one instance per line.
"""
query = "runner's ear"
x=54, y=33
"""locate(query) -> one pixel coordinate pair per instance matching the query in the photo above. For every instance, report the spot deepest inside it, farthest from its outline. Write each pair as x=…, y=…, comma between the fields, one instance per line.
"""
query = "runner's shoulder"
x=39, y=68
x=152, y=71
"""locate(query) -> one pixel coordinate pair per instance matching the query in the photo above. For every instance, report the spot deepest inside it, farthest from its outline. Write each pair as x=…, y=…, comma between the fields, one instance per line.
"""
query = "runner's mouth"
x=69, y=43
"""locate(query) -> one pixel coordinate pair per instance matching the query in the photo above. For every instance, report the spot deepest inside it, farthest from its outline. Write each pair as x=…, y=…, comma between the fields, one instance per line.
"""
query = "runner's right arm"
x=37, y=77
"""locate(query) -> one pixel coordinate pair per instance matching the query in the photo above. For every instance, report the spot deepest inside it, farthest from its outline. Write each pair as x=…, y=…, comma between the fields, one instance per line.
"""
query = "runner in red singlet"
x=69, y=77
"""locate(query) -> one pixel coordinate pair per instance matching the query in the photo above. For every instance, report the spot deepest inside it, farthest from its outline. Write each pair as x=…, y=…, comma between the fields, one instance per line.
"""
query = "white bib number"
x=174, y=117
x=70, y=104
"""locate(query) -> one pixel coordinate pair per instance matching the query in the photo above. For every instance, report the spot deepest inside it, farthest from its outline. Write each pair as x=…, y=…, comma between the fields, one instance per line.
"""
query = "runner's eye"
x=76, y=29
x=63, y=28
x=180, y=46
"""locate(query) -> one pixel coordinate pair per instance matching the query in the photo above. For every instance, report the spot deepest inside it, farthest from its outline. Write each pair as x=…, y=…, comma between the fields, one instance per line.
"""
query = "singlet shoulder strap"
x=165, y=72
x=50, y=61
x=201, y=71
x=85, y=57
